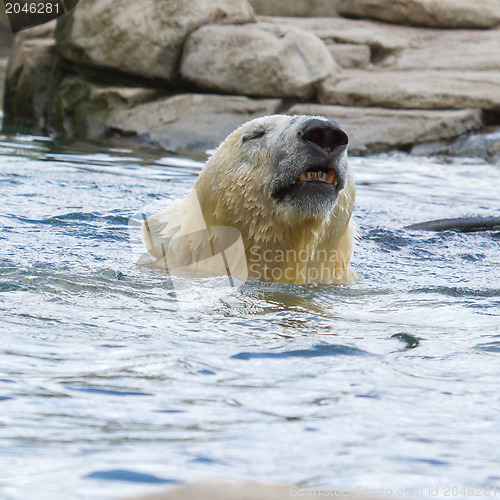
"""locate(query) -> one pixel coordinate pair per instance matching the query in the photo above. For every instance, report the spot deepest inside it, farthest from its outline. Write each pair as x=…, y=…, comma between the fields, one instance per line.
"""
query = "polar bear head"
x=294, y=166
x=285, y=183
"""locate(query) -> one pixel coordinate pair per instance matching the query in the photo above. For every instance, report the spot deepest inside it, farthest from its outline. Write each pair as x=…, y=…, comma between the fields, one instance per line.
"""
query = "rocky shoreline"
x=182, y=75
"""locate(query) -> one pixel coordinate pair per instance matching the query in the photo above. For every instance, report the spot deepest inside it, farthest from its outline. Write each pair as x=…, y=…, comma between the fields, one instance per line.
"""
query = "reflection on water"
x=112, y=381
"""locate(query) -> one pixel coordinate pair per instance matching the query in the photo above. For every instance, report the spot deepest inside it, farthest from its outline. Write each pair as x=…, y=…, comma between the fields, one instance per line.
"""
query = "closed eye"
x=255, y=134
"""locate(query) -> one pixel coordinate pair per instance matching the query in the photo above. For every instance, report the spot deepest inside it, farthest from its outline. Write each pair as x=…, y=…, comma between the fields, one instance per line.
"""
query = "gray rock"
x=83, y=107
x=31, y=77
x=189, y=121
x=450, y=50
x=459, y=224
x=408, y=48
x=262, y=60
x=377, y=129
x=485, y=146
x=348, y=55
x=379, y=37
x=140, y=37
x=414, y=89
x=299, y=8
x=431, y=13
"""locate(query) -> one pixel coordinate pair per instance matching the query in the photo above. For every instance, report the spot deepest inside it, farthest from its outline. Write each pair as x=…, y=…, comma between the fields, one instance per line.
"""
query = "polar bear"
x=283, y=186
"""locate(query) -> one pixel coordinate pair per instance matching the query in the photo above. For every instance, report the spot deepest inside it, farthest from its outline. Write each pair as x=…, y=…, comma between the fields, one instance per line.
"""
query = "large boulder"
x=299, y=8
x=430, y=13
x=414, y=89
x=256, y=60
x=189, y=121
x=470, y=50
x=140, y=37
x=82, y=107
x=378, y=129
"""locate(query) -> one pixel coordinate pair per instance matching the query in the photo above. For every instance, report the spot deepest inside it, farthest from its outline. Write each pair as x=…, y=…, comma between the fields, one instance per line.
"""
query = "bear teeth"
x=330, y=177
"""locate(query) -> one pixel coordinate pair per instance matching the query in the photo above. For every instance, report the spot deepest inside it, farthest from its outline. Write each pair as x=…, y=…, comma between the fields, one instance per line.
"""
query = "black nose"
x=328, y=135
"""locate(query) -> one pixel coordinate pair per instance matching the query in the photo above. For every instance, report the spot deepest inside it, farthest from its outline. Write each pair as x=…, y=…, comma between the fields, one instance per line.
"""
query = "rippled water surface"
x=111, y=384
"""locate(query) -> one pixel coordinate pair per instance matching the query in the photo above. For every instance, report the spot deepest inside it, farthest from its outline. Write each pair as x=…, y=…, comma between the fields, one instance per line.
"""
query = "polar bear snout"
x=309, y=177
x=325, y=134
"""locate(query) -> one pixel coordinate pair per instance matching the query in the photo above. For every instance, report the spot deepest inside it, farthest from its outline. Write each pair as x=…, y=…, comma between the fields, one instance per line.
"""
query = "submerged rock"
x=142, y=38
x=262, y=60
x=430, y=13
x=459, y=224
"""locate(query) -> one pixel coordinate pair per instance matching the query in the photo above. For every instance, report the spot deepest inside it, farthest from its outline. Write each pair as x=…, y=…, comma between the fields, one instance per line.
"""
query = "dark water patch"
x=457, y=291
x=489, y=347
x=430, y=461
x=11, y=182
x=11, y=287
x=129, y=476
x=202, y=372
x=469, y=257
x=70, y=218
x=108, y=392
x=42, y=277
x=203, y=460
x=388, y=240
x=5, y=398
x=205, y=372
x=86, y=226
x=315, y=351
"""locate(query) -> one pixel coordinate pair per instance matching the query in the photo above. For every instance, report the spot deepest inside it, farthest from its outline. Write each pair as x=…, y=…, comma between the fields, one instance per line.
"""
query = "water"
x=111, y=386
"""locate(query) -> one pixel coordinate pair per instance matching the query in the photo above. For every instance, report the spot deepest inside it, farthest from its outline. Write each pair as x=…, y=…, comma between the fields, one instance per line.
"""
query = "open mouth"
x=318, y=174
x=319, y=182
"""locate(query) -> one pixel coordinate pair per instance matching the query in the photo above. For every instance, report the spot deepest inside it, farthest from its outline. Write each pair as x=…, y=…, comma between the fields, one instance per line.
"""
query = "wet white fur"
x=233, y=189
